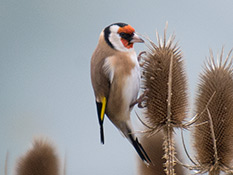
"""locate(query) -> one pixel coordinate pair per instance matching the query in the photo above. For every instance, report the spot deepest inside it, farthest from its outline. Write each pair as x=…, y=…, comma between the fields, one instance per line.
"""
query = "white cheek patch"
x=115, y=39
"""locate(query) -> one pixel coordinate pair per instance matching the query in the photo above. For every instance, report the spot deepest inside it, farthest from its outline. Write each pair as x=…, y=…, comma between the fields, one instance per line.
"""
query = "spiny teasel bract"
x=155, y=82
x=215, y=101
x=40, y=160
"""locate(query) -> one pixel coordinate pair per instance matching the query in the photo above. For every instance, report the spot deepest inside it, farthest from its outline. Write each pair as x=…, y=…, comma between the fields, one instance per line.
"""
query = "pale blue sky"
x=45, y=87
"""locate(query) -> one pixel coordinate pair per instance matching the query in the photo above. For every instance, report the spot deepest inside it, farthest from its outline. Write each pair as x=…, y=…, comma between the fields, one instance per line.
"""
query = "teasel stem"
x=6, y=164
x=169, y=150
x=215, y=170
x=168, y=130
x=154, y=146
x=65, y=165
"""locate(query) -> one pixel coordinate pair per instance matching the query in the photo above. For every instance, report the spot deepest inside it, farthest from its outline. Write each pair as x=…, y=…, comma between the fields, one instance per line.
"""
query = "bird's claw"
x=140, y=100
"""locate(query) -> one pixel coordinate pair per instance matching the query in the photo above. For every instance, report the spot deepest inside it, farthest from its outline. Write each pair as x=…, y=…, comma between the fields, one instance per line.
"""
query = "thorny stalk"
x=6, y=163
x=169, y=141
x=215, y=169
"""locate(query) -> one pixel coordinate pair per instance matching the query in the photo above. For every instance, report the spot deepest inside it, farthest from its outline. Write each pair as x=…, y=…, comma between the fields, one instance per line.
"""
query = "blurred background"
x=45, y=87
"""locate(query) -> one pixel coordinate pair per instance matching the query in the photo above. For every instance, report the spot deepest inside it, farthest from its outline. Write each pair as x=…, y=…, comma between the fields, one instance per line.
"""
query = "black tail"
x=102, y=133
x=141, y=152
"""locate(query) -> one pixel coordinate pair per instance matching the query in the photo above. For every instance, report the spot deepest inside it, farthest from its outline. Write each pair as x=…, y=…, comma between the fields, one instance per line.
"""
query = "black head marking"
x=107, y=32
x=106, y=36
x=120, y=24
x=127, y=36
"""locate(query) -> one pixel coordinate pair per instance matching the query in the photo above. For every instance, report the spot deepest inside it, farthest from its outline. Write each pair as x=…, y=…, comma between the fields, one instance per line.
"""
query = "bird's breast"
x=125, y=83
x=131, y=86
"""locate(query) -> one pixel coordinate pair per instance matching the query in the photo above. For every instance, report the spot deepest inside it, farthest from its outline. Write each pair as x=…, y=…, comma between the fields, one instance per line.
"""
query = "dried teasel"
x=40, y=160
x=156, y=84
x=213, y=141
x=165, y=89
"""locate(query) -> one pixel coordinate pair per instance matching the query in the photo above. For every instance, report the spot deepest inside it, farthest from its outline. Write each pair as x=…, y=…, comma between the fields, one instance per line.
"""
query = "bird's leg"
x=140, y=99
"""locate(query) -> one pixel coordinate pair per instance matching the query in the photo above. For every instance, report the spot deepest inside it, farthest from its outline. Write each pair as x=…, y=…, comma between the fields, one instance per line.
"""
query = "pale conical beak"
x=136, y=39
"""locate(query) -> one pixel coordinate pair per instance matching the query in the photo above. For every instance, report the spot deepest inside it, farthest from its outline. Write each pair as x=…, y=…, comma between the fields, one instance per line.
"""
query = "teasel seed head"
x=156, y=82
x=213, y=141
x=164, y=83
x=40, y=160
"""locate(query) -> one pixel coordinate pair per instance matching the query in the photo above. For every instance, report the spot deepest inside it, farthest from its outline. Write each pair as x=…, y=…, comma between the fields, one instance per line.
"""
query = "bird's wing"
x=102, y=75
x=107, y=75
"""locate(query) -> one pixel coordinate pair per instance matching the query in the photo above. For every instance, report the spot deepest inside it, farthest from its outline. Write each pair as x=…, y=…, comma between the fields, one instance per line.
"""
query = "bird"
x=115, y=77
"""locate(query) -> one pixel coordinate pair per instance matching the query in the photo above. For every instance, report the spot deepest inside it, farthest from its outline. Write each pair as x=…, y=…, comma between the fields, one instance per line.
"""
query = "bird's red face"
x=121, y=36
x=126, y=33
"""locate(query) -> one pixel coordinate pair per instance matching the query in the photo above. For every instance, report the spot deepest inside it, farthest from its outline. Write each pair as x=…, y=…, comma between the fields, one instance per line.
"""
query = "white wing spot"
x=108, y=68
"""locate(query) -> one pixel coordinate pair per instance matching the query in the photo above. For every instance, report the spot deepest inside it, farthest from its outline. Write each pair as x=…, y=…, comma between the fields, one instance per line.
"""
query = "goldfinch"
x=115, y=77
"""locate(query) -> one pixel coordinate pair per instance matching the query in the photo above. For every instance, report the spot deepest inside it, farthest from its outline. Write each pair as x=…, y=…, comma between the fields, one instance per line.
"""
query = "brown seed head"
x=216, y=79
x=155, y=80
x=40, y=160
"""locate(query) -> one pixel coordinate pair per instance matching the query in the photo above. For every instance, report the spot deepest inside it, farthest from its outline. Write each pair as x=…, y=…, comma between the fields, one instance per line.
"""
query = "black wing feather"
x=99, y=106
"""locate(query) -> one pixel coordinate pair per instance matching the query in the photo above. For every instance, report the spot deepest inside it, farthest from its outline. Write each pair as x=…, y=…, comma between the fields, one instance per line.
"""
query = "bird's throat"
x=126, y=43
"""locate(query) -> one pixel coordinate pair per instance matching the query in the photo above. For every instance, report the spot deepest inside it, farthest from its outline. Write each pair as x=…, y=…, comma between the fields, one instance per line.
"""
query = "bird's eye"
x=126, y=36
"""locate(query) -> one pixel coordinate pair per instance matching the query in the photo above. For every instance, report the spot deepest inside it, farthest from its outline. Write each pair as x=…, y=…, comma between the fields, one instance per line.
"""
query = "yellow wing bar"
x=101, y=106
x=104, y=102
